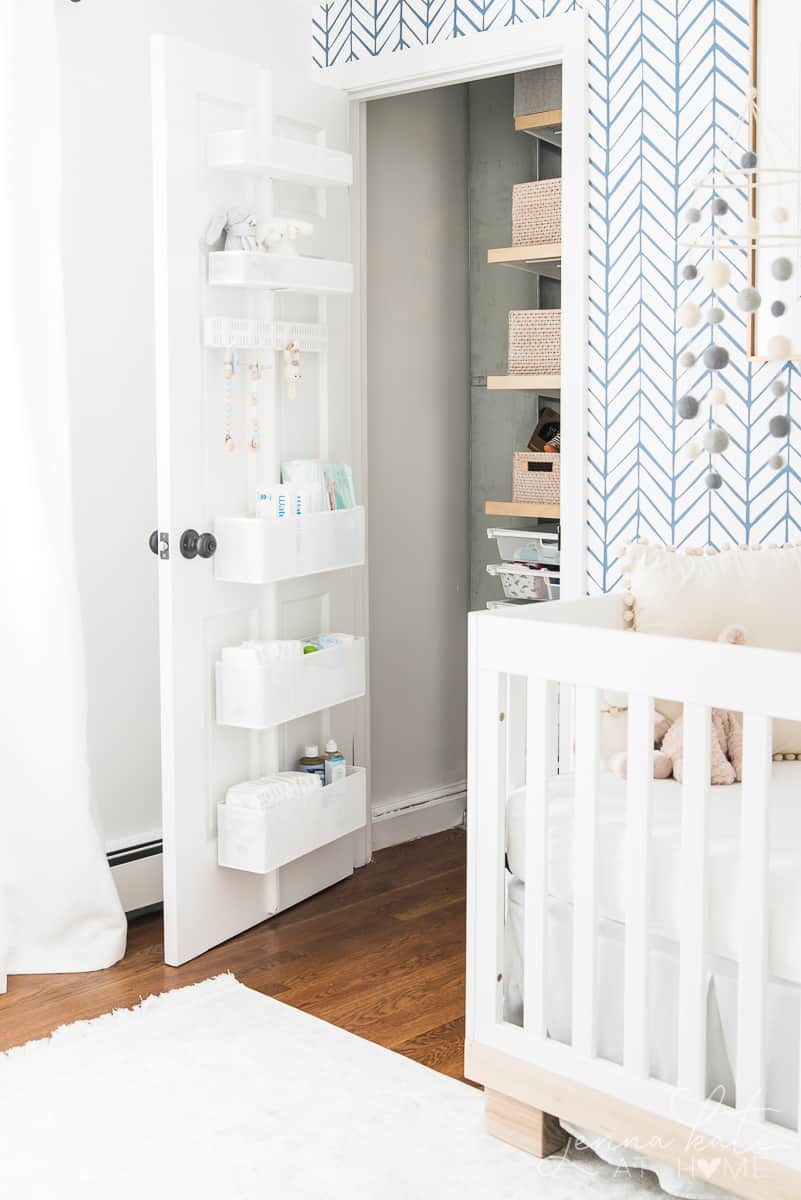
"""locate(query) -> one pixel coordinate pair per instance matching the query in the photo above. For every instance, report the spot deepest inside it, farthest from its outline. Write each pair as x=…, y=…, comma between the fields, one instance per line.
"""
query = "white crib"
x=526, y=667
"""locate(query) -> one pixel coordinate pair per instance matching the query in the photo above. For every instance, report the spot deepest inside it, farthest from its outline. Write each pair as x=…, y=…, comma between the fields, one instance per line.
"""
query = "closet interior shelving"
x=545, y=261
x=260, y=550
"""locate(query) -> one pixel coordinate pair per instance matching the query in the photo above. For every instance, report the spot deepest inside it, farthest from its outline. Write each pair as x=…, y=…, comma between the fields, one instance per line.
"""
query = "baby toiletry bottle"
x=312, y=762
x=335, y=766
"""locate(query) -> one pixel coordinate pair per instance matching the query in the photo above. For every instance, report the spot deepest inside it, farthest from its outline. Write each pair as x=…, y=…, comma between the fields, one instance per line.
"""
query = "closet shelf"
x=279, y=158
x=262, y=840
x=512, y=508
x=280, y=273
x=545, y=125
x=254, y=549
x=254, y=695
x=523, y=383
x=539, y=260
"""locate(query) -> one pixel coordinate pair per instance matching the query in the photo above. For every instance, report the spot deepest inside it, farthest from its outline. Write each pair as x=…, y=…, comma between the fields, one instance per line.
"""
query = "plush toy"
x=726, y=750
x=239, y=227
x=278, y=236
x=663, y=766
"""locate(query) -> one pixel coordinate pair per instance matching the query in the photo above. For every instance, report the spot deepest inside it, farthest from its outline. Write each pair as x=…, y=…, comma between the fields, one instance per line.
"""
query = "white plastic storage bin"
x=521, y=545
x=280, y=273
x=258, y=695
x=280, y=158
x=524, y=583
x=255, y=549
x=262, y=840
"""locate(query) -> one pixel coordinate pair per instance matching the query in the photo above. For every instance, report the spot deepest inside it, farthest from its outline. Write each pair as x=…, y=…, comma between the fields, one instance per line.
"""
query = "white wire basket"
x=524, y=546
x=520, y=582
x=241, y=333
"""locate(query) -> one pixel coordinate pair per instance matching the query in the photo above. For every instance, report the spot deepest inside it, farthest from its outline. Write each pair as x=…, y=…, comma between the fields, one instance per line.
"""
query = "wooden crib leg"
x=521, y=1125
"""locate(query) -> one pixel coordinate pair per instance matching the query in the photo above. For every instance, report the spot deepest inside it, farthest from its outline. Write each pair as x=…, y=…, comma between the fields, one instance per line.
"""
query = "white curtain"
x=59, y=909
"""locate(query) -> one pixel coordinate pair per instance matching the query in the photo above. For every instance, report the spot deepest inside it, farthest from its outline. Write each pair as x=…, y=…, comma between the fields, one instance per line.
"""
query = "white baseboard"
x=418, y=815
x=136, y=871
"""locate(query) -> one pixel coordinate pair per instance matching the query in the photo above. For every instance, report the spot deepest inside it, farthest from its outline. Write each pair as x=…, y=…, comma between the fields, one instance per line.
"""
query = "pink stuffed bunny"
x=726, y=745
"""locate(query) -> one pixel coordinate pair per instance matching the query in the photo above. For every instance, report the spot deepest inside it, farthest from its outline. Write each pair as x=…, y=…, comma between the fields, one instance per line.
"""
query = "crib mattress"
x=722, y=862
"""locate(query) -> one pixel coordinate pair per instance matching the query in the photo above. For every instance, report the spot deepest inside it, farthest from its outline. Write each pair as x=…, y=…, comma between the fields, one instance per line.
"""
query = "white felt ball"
x=717, y=397
x=776, y=462
x=715, y=440
x=689, y=315
x=750, y=227
x=779, y=348
x=693, y=451
x=780, y=215
x=716, y=273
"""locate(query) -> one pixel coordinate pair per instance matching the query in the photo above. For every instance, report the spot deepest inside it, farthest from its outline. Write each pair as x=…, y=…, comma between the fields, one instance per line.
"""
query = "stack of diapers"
x=265, y=793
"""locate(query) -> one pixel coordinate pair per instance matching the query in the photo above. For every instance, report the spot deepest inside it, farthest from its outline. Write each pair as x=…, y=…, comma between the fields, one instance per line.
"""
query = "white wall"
x=418, y=439
x=108, y=269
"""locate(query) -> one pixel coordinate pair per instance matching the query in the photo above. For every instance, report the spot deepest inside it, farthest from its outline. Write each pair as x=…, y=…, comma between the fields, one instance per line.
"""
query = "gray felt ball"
x=749, y=299
x=714, y=315
x=716, y=358
x=779, y=427
x=715, y=440
x=689, y=272
x=781, y=268
x=687, y=407
x=778, y=387
x=748, y=160
x=687, y=360
x=713, y=481
x=776, y=462
x=692, y=216
x=720, y=206
x=778, y=308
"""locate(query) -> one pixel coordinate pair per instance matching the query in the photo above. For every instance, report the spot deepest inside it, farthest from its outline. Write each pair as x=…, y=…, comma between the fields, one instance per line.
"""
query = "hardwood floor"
x=381, y=954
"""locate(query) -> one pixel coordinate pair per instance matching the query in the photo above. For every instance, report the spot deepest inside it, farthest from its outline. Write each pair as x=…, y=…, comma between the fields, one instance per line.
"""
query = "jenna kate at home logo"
x=692, y=1152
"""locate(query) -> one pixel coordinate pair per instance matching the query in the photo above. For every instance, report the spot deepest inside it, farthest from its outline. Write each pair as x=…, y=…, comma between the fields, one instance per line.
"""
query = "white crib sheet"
x=723, y=859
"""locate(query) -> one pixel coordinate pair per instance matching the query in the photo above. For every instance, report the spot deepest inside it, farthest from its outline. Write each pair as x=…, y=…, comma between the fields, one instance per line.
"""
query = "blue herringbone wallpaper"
x=667, y=82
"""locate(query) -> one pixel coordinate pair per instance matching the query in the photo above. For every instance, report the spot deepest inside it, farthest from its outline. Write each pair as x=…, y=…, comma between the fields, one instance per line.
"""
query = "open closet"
x=463, y=283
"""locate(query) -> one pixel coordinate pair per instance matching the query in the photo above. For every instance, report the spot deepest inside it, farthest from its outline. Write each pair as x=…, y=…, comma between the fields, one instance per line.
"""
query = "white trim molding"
x=419, y=815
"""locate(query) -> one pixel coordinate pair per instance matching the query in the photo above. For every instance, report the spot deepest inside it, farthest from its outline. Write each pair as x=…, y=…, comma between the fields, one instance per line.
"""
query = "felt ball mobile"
x=717, y=252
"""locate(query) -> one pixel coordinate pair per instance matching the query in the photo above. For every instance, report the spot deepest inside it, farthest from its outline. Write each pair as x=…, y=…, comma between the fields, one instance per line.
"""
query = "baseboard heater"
x=137, y=873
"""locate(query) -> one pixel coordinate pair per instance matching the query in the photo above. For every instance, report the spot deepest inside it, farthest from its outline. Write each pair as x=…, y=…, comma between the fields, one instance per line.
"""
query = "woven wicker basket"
x=537, y=213
x=535, y=478
x=535, y=341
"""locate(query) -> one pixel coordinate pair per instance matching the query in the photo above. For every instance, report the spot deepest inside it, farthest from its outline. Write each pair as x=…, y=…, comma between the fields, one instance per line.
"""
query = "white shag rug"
x=216, y=1091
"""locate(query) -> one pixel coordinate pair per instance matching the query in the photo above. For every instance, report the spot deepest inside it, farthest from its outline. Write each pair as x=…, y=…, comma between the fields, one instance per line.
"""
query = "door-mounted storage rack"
x=264, y=550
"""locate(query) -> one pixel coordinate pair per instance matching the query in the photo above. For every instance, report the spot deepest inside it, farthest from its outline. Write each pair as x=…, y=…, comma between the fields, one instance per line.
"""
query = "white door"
x=273, y=162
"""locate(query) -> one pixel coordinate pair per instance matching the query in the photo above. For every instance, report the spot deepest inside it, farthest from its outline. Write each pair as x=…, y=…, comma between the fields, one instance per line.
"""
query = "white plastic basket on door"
x=525, y=546
x=520, y=582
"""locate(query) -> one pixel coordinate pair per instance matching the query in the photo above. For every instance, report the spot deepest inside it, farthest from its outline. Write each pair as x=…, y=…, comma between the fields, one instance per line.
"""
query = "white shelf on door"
x=249, y=333
x=263, y=840
x=280, y=158
x=254, y=549
x=280, y=273
x=254, y=695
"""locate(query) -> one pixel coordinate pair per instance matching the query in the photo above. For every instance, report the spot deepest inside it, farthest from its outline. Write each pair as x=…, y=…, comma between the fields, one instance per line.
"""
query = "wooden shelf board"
x=539, y=260
x=550, y=119
x=523, y=383
x=511, y=508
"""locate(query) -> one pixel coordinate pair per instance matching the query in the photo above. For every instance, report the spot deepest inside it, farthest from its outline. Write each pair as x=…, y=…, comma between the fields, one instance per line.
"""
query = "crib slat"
x=692, y=969
x=488, y=799
x=753, y=966
x=638, y=823
x=585, y=867
x=540, y=737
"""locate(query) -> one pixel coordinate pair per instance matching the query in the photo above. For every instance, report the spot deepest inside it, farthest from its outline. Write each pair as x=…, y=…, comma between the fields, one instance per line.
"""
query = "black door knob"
x=194, y=543
x=153, y=541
